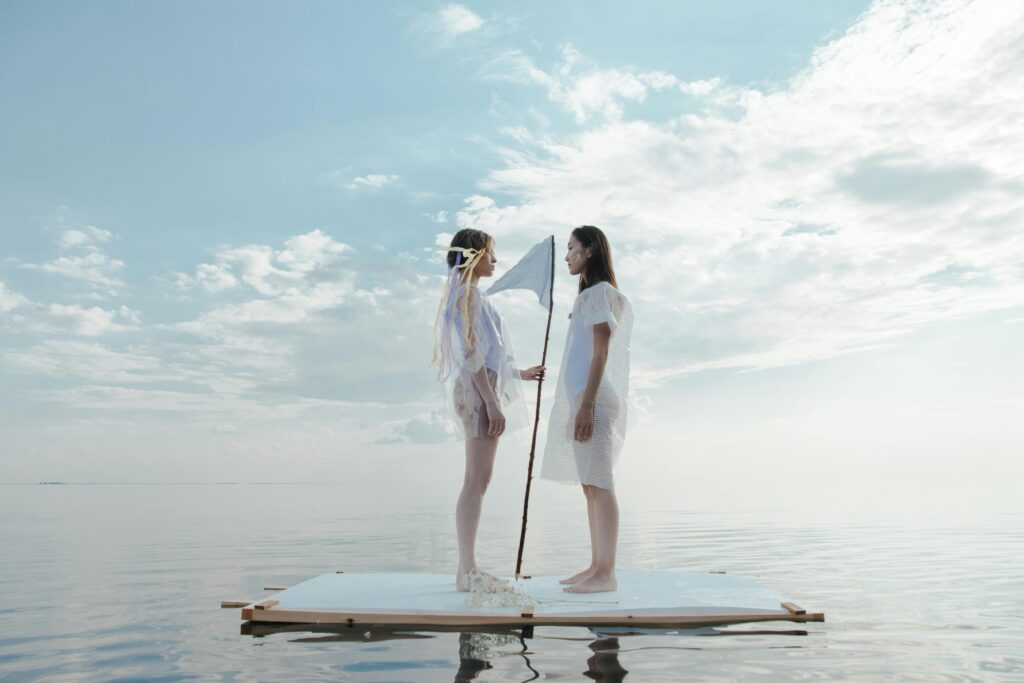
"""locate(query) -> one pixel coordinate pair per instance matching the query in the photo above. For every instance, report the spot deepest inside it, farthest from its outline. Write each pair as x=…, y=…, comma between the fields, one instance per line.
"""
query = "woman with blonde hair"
x=474, y=355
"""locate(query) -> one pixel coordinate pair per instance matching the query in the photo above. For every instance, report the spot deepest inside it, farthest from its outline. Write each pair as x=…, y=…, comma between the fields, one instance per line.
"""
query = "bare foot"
x=594, y=584
x=464, y=579
x=576, y=578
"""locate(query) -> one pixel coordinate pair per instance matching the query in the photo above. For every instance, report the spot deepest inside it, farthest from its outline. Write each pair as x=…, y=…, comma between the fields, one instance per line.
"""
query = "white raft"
x=644, y=598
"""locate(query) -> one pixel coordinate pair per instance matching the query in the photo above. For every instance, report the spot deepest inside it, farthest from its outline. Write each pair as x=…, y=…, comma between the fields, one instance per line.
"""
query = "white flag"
x=533, y=272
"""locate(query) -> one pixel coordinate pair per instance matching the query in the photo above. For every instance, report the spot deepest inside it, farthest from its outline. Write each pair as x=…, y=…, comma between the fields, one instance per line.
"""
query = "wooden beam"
x=275, y=588
x=265, y=604
x=793, y=608
x=235, y=603
x=386, y=617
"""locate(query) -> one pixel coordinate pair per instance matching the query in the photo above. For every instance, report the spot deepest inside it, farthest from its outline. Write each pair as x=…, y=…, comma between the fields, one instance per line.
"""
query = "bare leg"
x=585, y=574
x=606, y=516
x=479, y=466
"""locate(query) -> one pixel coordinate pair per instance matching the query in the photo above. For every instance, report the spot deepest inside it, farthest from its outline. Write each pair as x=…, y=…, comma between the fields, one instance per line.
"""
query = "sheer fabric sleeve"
x=599, y=306
x=471, y=355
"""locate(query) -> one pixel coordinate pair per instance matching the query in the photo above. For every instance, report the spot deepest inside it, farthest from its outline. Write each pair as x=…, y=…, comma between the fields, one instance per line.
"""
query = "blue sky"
x=216, y=224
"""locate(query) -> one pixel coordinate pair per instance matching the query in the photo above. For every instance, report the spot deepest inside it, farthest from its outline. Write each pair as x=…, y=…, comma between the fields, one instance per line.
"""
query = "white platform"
x=669, y=597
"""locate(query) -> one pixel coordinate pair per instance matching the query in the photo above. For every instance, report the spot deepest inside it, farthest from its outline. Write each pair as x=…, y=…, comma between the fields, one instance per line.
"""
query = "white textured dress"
x=491, y=348
x=592, y=461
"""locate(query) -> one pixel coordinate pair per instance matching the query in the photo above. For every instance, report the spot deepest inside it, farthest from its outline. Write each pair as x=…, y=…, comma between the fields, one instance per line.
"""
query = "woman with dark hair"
x=588, y=418
x=473, y=352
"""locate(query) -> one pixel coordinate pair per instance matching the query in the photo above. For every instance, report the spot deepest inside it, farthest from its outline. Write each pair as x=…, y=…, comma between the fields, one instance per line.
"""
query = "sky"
x=219, y=223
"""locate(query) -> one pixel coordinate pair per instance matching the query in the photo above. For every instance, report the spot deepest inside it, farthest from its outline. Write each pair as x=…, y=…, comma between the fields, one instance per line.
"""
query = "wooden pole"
x=536, y=419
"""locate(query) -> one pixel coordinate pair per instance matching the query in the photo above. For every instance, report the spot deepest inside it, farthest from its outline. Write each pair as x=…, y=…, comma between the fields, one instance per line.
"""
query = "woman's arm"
x=495, y=418
x=584, y=426
x=483, y=384
x=474, y=357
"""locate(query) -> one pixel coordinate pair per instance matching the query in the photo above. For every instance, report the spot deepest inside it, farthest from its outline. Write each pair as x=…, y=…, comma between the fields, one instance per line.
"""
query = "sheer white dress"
x=592, y=461
x=490, y=349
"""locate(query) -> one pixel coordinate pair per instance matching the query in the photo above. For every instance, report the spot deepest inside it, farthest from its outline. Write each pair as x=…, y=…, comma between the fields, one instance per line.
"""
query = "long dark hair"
x=599, y=265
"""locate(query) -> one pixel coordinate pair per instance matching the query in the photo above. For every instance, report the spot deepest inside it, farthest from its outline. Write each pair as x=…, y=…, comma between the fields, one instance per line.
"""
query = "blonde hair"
x=467, y=248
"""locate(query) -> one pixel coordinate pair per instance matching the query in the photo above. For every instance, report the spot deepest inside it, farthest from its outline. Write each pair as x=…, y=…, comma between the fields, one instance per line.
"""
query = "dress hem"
x=575, y=482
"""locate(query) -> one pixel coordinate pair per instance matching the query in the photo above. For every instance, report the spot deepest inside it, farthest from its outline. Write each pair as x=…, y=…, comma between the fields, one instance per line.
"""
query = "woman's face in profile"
x=576, y=257
x=485, y=268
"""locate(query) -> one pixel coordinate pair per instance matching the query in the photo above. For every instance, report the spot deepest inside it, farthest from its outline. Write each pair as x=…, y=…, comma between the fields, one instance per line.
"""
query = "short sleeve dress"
x=593, y=461
x=490, y=348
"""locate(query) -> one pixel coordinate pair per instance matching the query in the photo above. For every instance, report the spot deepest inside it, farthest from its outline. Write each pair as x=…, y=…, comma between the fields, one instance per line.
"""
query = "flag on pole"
x=533, y=272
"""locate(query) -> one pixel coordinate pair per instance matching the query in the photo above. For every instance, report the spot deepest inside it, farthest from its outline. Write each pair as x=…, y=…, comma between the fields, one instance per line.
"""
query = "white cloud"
x=283, y=309
x=441, y=217
x=441, y=242
x=659, y=80
x=306, y=253
x=92, y=322
x=86, y=262
x=373, y=180
x=94, y=267
x=264, y=269
x=87, y=236
x=10, y=300
x=581, y=89
x=255, y=264
x=215, y=277
x=701, y=87
x=871, y=195
x=90, y=361
x=236, y=351
x=455, y=20
x=316, y=309
x=515, y=67
x=203, y=404
x=499, y=107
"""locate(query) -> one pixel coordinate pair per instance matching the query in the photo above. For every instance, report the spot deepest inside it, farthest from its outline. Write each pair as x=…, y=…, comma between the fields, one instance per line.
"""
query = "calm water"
x=123, y=582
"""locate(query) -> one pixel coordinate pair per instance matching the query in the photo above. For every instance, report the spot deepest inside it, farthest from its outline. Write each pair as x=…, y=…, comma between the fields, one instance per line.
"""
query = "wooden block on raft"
x=261, y=606
x=793, y=608
x=275, y=588
x=234, y=603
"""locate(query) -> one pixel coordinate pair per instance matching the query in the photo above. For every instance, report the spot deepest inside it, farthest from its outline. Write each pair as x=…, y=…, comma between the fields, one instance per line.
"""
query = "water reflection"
x=604, y=665
x=479, y=647
x=100, y=595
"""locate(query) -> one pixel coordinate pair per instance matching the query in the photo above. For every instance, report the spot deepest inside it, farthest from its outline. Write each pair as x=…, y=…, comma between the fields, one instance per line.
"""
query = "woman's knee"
x=482, y=478
x=479, y=476
x=596, y=493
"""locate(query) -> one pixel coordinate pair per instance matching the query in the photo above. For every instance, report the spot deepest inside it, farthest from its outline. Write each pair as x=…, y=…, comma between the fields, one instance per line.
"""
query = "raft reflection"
x=479, y=647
